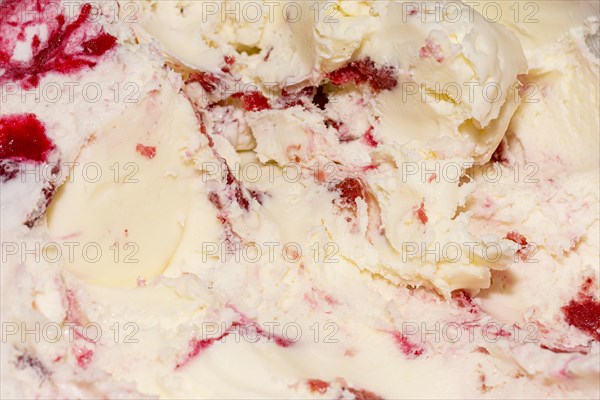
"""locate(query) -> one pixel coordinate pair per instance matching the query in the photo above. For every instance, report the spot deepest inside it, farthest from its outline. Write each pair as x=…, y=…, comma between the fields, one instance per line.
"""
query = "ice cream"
x=352, y=199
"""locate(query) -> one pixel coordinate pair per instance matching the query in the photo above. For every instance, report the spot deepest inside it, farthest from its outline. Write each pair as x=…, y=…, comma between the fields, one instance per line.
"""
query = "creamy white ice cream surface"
x=299, y=199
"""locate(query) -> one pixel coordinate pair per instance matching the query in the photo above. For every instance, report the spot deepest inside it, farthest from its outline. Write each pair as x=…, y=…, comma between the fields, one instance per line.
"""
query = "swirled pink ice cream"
x=293, y=199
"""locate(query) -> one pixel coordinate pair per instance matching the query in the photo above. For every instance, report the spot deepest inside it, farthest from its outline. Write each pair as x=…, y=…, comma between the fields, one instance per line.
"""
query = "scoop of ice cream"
x=275, y=220
x=201, y=34
x=557, y=126
x=450, y=81
x=138, y=156
x=537, y=23
x=75, y=66
x=457, y=78
x=456, y=73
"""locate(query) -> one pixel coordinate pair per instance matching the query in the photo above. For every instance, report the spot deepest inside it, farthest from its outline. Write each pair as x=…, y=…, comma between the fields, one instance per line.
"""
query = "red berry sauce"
x=584, y=314
x=521, y=241
x=517, y=238
x=421, y=214
x=379, y=78
x=23, y=139
x=409, y=349
x=197, y=346
x=349, y=189
x=464, y=300
x=146, y=151
x=99, y=45
x=253, y=101
x=369, y=139
x=300, y=97
x=432, y=50
x=229, y=60
x=209, y=82
x=317, y=386
x=244, y=326
x=71, y=45
x=84, y=356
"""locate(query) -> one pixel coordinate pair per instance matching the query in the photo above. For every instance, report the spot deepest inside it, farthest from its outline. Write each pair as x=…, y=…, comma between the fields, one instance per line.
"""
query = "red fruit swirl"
x=23, y=139
x=584, y=314
x=148, y=152
x=349, y=189
x=70, y=46
x=366, y=71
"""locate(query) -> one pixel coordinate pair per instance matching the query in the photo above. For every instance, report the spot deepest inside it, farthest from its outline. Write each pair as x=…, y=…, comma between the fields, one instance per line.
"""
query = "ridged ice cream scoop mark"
x=365, y=71
x=70, y=47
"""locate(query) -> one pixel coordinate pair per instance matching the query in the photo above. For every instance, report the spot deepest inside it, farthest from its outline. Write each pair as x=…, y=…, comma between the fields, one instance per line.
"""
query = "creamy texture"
x=537, y=23
x=560, y=96
x=300, y=204
x=117, y=195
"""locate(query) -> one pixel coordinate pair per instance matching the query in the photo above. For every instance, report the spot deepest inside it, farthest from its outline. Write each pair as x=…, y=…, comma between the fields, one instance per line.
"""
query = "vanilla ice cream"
x=291, y=199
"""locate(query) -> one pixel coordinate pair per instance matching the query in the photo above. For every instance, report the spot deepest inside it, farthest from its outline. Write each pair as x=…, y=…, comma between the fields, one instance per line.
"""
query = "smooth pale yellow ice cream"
x=279, y=199
x=140, y=155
